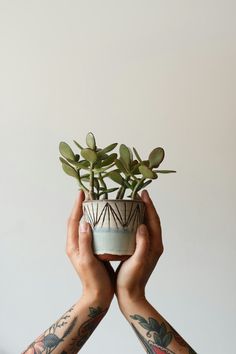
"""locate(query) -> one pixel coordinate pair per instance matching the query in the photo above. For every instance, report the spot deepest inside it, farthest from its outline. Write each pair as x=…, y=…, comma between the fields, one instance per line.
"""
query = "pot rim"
x=114, y=200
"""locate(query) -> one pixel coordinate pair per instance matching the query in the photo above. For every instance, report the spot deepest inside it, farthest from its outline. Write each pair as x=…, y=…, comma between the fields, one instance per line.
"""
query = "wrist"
x=100, y=298
x=128, y=299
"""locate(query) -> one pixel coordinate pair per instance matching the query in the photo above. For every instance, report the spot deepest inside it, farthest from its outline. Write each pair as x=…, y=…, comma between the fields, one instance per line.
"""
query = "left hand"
x=97, y=277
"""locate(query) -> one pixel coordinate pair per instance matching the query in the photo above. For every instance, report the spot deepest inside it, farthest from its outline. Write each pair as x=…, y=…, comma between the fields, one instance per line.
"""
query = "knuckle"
x=86, y=262
x=70, y=251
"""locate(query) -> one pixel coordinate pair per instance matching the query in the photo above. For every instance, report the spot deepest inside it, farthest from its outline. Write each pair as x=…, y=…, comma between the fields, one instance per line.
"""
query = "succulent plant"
x=94, y=166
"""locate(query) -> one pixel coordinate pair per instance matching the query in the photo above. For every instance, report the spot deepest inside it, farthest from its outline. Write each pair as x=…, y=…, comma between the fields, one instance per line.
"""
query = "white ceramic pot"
x=114, y=224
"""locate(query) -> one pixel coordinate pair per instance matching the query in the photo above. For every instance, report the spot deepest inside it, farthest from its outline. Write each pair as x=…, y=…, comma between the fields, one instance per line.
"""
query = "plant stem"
x=82, y=186
x=105, y=196
x=121, y=191
x=133, y=195
x=91, y=183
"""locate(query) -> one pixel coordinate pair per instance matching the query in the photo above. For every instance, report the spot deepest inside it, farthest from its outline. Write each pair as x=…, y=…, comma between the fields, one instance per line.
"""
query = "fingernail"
x=142, y=229
x=83, y=226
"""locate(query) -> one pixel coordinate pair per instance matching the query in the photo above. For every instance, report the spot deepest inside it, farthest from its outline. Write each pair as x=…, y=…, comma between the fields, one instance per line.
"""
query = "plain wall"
x=144, y=73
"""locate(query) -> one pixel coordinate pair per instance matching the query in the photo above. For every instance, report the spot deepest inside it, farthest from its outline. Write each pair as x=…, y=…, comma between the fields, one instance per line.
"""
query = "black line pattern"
x=111, y=215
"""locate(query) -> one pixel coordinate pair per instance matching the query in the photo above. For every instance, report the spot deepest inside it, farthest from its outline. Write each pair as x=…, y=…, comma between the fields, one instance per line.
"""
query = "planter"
x=114, y=224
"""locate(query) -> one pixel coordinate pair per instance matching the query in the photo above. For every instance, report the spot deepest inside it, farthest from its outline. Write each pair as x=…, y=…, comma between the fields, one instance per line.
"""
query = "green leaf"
x=80, y=164
x=137, y=155
x=144, y=185
x=90, y=141
x=89, y=155
x=78, y=145
x=121, y=166
x=64, y=161
x=156, y=157
x=110, y=190
x=109, y=160
x=135, y=167
x=66, y=151
x=164, y=171
x=125, y=156
x=116, y=177
x=107, y=149
x=166, y=339
x=100, y=155
x=147, y=172
x=69, y=170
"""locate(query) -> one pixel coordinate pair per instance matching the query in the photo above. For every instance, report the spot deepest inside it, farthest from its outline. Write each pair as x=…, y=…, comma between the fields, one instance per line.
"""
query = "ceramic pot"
x=114, y=224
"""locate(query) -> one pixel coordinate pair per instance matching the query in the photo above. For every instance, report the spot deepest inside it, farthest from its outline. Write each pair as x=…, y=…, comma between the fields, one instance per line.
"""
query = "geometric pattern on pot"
x=115, y=214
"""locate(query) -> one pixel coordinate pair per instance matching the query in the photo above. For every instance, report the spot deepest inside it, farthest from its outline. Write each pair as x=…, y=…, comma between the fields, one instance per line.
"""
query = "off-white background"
x=145, y=73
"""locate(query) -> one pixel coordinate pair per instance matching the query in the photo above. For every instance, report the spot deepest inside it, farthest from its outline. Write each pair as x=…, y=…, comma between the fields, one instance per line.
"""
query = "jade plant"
x=93, y=167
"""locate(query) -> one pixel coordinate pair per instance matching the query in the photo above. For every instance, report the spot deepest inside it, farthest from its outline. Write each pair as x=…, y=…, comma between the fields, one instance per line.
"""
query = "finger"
x=73, y=225
x=85, y=241
x=77, y=210
x=142, y=243
x=152, y=221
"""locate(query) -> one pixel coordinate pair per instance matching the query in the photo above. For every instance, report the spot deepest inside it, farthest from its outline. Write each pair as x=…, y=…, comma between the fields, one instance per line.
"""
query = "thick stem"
x=133, y=195
x=91, y=183
x=121, y=191
x=105, y=196
x=82, y=186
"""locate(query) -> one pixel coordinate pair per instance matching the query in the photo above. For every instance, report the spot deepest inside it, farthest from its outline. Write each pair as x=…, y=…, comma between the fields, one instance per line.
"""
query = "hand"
x=96, y=276
x=133, y=274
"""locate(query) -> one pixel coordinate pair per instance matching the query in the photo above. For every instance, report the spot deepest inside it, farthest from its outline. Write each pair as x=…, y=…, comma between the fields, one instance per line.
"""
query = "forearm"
x=154, y=332
x=68, y=334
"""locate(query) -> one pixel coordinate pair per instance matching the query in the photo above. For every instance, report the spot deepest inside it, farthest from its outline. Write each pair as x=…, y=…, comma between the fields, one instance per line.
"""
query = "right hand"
x=133, y=274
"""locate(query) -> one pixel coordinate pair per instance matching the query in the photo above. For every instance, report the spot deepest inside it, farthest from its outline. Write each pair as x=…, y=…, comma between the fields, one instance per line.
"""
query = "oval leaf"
x=144, y=185
x=107, y=149
x=125, y=156
x=69, y=170
x=156, y=157
x=116, y=177
x=109, y=160
x=64, y=161
x=164, y=171
x=147, y=172
x=66, y=151
x=89, y=155
x=120, y=166
x=90, y=141
x=137, y=155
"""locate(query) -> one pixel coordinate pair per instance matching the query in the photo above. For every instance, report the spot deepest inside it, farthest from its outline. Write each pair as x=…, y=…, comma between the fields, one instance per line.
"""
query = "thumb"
x=85, y=239
x=142, y=242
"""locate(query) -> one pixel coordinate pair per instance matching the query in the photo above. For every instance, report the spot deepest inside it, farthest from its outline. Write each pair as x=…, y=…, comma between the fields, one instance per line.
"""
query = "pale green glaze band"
x=113, y=241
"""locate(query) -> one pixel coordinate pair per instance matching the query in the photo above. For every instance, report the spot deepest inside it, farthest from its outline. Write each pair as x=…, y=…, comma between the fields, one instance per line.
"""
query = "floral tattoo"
x=50, y=339
x=158, y=337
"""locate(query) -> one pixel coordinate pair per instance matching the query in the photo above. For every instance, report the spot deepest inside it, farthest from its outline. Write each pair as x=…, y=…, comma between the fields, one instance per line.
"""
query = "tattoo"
x=49, y=340
x=86, y=329
x=158, y=337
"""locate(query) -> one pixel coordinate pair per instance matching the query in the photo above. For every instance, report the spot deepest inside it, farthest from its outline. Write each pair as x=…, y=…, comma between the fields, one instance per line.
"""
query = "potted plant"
x=114, y=221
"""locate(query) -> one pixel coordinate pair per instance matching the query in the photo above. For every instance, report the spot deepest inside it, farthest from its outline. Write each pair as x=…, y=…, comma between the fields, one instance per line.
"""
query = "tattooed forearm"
x=95, y=316
x=70, y=331
x=50, y=339
x=158, y=339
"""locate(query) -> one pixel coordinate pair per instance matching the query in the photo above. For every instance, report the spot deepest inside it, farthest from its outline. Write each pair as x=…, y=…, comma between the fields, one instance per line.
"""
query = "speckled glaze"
x=114, y=224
